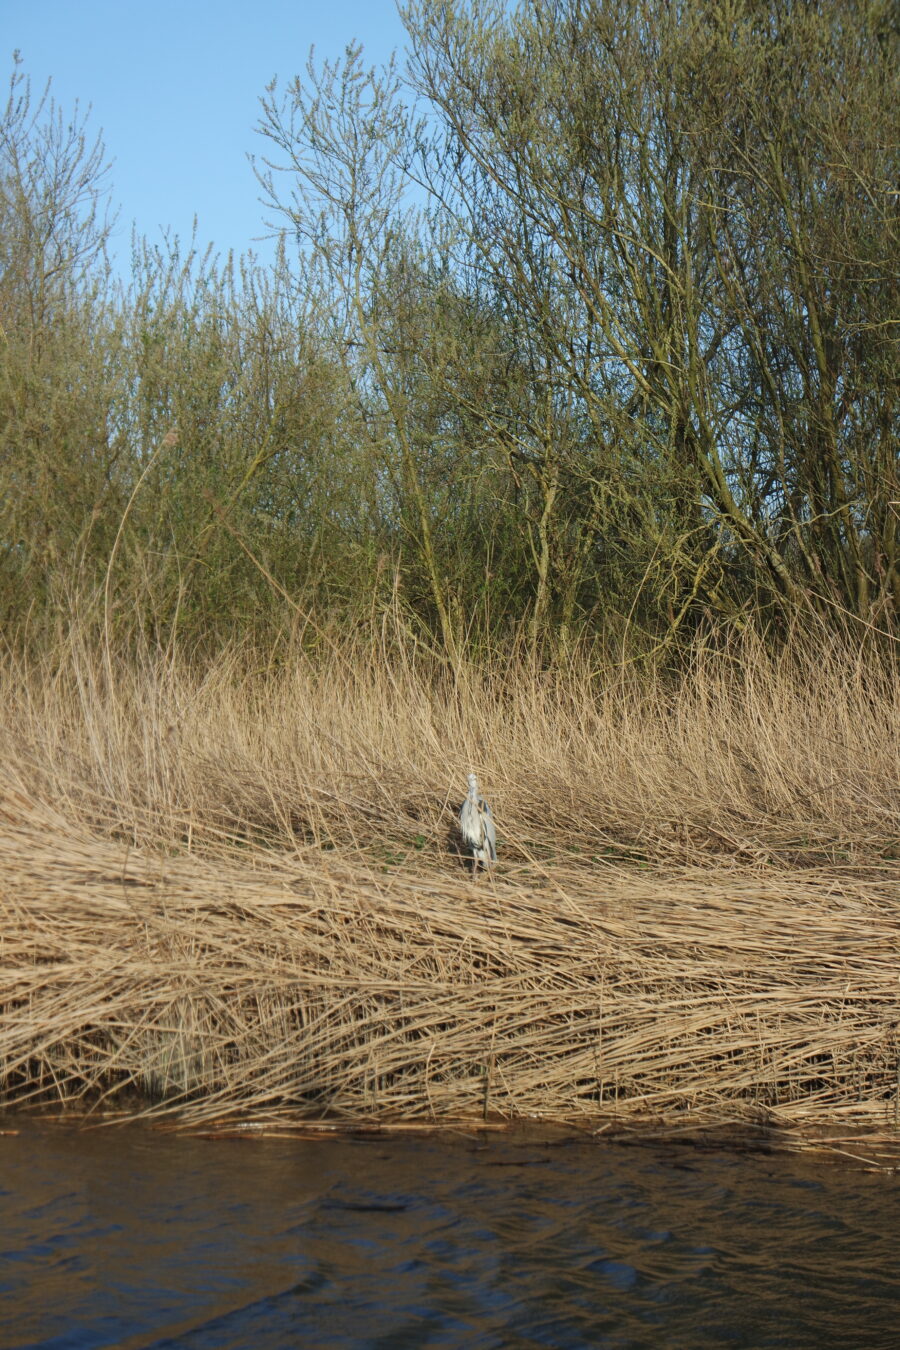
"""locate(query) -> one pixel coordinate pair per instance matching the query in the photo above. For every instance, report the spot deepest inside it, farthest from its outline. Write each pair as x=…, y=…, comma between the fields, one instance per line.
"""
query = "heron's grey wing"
x=470, y=824
x=490, y=833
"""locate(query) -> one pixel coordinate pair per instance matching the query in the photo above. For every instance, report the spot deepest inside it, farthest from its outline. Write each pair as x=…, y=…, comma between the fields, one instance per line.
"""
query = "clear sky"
x=175, y=89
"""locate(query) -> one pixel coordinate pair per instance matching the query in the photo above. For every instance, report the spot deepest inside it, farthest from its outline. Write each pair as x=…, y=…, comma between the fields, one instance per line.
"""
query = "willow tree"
x=692, y=209
x=59, y=345
x=230, y=407
x=334, y=171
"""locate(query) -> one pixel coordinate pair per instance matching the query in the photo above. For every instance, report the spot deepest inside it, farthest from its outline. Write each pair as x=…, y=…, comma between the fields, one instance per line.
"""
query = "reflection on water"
x=132, y=1238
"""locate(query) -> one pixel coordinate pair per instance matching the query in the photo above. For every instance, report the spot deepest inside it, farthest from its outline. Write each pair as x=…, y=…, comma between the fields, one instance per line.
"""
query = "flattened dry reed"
x=241, y=902
x=327, y=988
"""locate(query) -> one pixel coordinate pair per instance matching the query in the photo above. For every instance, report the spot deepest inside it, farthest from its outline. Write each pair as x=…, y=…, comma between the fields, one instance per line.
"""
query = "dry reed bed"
x=242, y=904
x=321, y=986
x=749, y=757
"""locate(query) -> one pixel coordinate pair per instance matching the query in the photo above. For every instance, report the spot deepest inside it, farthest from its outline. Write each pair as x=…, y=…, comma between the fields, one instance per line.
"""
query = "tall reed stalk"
x=231, y=888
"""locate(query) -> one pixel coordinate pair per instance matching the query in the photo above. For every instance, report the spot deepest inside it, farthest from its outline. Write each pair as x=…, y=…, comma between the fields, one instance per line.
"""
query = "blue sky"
x=175, y=89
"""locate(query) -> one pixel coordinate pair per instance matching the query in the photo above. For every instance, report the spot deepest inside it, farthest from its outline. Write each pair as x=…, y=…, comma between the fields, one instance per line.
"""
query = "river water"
x=133, y=1238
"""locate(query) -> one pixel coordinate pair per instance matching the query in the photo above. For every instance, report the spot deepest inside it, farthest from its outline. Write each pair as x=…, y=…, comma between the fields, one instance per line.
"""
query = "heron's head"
x=473, y=784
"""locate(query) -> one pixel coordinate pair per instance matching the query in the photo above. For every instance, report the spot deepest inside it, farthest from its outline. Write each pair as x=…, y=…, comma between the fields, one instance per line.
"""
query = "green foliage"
x=597, y=338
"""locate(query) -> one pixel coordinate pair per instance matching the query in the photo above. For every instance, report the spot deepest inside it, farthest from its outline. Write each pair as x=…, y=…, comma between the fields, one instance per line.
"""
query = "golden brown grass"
x=232, y=892
x=792, y=759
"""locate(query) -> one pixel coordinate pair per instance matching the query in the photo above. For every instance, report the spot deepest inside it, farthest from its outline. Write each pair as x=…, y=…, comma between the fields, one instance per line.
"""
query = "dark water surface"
x=124, y=1237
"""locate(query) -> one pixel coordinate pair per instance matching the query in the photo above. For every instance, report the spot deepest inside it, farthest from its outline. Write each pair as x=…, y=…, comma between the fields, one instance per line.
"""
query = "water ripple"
x=139, y=1240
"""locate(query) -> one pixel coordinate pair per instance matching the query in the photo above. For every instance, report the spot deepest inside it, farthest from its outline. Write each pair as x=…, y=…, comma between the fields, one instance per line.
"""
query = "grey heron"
x=476, y=825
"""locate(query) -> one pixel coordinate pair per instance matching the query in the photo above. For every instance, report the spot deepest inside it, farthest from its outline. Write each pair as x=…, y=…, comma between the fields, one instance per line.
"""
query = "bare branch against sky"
x=175, y=89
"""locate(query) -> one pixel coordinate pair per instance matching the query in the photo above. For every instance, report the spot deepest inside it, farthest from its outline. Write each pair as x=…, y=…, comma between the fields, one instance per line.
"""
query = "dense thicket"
x=584, y=322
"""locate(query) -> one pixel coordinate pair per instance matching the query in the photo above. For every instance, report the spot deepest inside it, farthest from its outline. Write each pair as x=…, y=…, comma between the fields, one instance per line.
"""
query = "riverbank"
x=321, y=987
x=231, y=895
